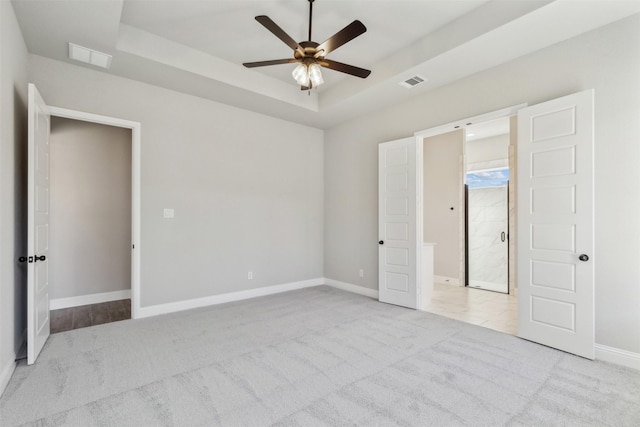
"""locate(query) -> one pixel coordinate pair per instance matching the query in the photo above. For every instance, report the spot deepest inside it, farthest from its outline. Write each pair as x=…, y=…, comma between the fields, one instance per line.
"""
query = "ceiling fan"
x=310, y=55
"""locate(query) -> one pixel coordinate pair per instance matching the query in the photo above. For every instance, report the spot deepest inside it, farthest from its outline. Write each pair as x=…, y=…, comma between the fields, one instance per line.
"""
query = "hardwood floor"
x=492, y=310
x=67, y=319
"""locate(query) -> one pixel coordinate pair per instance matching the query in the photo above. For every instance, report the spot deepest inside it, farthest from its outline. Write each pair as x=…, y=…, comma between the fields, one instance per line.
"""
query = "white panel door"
x=397, y=222
x=555, y=224
x=38, y=226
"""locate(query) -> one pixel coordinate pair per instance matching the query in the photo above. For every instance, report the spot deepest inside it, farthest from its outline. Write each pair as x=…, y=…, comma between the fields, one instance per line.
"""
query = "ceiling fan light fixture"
x=311, y=56
x=308, y=75
x=315, y=75
x=301, y=74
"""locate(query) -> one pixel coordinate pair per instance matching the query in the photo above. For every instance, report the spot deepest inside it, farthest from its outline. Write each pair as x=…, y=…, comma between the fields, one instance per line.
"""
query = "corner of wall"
x=13, y=99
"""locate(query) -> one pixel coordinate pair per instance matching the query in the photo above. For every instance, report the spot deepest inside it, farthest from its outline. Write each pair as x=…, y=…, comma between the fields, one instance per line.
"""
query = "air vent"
x=89, y=56
x=412, y=82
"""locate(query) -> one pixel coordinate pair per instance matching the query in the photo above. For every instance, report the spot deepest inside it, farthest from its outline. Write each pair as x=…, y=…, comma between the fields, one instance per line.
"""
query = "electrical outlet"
x=250, y=275
x=361, y=273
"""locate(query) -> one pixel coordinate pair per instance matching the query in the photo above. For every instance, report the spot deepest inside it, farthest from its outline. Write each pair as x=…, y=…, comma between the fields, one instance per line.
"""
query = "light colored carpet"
x=313, y=357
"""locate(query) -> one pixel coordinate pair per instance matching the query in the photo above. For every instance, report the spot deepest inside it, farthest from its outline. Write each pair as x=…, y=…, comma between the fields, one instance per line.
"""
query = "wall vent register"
x=89, y=56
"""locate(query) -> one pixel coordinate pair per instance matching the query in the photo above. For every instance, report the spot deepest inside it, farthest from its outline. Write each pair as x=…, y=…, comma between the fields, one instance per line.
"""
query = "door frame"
x=456, y=125
x=135, y=188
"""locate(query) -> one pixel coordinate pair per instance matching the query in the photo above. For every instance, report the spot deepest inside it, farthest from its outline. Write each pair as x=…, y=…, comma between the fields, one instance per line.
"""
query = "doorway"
x=90, y=213
x=487, y=176
x=554, y=147
x=38, y=215
x=486, y=153
x=135, y=248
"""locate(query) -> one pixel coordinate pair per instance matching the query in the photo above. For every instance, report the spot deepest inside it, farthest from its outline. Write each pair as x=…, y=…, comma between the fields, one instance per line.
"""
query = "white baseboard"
x=618, y=356
x=5, y=375
x=361, y=290
x=172, y=307
x=58, y=303
x=444, y=280
x=10, y=367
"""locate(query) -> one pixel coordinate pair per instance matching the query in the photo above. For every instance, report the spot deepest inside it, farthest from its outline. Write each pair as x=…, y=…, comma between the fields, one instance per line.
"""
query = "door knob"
x=381, y=242
x=583, y=257
x=31, y=259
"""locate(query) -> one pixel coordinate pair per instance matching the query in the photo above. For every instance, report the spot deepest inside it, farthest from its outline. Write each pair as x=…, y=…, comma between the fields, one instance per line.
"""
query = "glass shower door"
x=487, y=223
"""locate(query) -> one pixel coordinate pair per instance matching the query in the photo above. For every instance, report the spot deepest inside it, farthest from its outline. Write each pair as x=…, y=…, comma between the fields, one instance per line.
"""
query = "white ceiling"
x=197, y=47
x=227, y=30
x=487, y=129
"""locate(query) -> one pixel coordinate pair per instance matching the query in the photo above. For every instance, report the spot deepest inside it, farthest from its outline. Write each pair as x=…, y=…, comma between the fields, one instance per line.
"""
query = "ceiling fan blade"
x=343, y=36
x=279, y=33
x=345, y=68
x=272, y=62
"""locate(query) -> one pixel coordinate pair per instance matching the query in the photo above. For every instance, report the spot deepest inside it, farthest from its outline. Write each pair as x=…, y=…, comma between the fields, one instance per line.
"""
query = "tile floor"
x=485, y=308
x=66, y=319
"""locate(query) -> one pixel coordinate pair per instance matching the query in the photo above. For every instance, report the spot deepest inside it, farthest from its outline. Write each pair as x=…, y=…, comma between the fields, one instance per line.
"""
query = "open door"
x=38, y=226
x=398, y=250
x=555, y=224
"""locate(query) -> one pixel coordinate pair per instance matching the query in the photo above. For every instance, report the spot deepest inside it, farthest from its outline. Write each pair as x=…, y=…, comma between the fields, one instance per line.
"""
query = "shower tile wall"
x=487, y=253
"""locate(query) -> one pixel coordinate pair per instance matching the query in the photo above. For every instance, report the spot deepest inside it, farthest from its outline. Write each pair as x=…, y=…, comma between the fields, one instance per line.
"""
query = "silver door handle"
x=503, y=236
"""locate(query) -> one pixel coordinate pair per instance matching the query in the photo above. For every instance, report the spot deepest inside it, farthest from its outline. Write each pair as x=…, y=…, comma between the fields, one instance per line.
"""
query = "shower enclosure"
x=487, y=225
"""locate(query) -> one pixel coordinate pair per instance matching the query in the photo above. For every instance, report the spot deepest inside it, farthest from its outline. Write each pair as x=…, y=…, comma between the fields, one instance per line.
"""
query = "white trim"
x=136, y=240
x=444, y=280
x=420, y=292
x=460, y=124
x=58, y=303
x=7, y=371
x=135, y=189
x=618, y=356
x=360, y=290
x=93, y=118
x=172, y=307
x=6, y=374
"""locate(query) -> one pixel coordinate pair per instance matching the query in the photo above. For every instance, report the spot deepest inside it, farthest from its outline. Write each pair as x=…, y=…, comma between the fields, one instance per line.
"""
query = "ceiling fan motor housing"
x=310, y=50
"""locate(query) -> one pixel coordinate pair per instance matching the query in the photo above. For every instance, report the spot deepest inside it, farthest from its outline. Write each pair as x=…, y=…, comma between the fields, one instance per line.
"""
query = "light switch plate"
x=168, y=213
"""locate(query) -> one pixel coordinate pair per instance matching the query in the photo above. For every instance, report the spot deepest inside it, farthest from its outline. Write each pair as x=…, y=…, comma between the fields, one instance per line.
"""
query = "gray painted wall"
x=90, y=219
x=247, y=189
x=13, y=152
x=608, y=60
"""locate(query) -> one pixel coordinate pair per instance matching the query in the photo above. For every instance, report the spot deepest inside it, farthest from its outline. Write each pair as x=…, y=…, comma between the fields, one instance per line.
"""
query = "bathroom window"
x=488, y=178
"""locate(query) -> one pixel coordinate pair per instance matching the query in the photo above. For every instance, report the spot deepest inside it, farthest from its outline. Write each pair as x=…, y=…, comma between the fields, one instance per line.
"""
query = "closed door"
x=38, y=225
x=555, y=224
x=397, y=216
